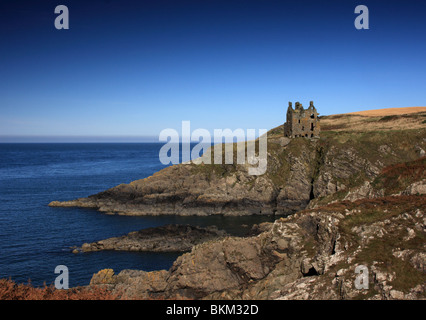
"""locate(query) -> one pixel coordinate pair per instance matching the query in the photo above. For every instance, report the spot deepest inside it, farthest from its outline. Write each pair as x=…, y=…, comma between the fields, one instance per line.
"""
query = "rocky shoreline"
x=351, y=198
x=168, y=238
x=309, y=255
x=312, y=254
x=299, y=171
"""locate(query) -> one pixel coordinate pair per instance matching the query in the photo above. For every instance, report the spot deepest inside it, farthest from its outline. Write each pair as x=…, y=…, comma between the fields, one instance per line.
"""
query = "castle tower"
x=302, y=122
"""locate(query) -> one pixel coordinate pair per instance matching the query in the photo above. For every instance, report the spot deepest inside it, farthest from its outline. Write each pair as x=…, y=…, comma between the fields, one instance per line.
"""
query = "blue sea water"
x=35, y=238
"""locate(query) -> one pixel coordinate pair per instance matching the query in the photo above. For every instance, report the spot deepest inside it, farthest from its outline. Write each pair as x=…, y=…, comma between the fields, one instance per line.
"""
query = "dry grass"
x=369, y=120
x=364, y=123
x=389, y=111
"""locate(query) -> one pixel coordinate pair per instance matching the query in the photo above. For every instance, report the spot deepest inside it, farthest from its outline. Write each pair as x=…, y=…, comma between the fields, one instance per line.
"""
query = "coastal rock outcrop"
x=309, y=255
x=168, y=238
x=298, y=172
x=350, y=199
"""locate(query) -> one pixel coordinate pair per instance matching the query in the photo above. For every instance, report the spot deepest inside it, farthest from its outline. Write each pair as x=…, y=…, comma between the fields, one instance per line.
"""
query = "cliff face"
x=309, y=255
x=299, y=170
x=360, y=201
x=312, y=254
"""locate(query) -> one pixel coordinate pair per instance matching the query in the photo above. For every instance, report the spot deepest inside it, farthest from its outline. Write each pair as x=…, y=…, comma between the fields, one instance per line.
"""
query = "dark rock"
x=168, y=238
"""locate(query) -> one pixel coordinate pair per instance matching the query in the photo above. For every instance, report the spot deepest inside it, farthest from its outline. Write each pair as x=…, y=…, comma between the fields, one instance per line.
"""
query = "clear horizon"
x=126, y=70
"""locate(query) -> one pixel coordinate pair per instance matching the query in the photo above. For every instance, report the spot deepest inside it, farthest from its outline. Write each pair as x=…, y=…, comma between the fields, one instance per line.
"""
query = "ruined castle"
x=301, y=122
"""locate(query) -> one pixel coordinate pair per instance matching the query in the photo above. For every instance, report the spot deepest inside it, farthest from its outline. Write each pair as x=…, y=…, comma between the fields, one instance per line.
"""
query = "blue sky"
x=129, y=69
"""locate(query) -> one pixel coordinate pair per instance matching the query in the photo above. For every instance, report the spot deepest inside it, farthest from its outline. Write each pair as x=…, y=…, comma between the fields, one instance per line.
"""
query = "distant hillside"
x=374, y=120
x=389, y=111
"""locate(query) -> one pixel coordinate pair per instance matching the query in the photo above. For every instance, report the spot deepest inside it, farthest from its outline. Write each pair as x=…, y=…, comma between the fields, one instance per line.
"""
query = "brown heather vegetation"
x=397, y=177
x=9, y=290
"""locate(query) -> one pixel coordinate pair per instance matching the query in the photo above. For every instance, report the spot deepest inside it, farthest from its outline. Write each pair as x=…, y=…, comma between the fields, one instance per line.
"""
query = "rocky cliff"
x=312, y=254
x=356, y=198
x=298, y=171
x=309, y=255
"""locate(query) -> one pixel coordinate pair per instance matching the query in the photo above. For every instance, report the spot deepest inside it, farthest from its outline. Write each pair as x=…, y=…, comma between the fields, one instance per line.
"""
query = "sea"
x=35, y=238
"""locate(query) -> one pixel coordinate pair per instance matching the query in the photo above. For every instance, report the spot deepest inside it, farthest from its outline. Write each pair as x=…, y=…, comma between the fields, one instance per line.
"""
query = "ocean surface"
x=35, y=238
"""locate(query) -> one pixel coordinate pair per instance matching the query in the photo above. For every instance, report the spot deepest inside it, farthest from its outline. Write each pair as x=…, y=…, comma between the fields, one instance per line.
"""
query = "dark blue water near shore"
x=35, y=238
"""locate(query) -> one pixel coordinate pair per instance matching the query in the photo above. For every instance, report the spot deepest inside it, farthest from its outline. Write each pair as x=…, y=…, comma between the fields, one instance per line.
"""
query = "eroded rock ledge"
x=168, y=238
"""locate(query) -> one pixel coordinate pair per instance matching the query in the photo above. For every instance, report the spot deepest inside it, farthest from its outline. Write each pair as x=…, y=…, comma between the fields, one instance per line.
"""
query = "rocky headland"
x=356, y=196
x=298, y=171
